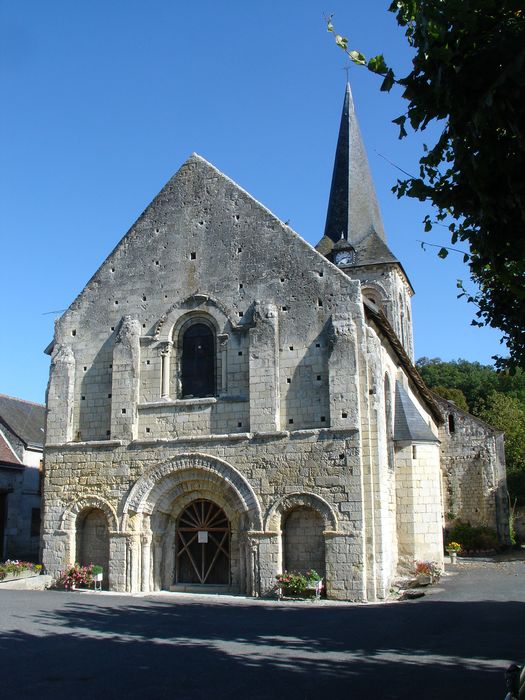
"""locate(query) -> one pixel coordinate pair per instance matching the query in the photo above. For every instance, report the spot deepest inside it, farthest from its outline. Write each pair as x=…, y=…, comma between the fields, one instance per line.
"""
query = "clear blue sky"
x=103, y=101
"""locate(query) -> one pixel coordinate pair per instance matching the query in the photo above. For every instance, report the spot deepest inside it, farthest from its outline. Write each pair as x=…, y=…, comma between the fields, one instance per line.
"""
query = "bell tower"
x=354, y=238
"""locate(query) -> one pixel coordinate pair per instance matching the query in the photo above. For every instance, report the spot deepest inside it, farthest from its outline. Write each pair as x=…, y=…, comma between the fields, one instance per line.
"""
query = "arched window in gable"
x=197, y=362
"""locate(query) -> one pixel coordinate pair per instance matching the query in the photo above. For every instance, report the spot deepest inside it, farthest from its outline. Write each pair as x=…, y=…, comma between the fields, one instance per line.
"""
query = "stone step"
x=30, y=583
x=210, y=589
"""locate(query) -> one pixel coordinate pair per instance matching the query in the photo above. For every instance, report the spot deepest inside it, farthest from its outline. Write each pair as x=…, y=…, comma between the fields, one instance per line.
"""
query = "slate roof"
x=7, y=456
x=24, y=418
x=353, y=211
x=409, y=425
x=342, y=244
x=373, y=249
x=325, y=246
x=369, y=251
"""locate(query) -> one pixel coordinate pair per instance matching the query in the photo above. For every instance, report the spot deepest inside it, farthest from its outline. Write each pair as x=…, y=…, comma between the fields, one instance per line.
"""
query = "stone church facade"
x=226, y=401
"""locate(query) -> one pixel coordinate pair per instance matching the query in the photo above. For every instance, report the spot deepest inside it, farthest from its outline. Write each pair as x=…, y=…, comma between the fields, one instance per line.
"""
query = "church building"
x=226, y=402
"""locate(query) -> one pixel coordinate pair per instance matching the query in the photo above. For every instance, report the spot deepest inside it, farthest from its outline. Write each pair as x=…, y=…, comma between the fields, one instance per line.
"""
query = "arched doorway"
x=202, y=545
x=303, y=540
x=92, y=539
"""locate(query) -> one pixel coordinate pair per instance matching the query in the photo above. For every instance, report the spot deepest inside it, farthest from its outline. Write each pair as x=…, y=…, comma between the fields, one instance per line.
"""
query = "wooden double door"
x=203, y=545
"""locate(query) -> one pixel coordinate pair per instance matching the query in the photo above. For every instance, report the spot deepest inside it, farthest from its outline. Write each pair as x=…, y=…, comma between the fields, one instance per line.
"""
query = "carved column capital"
x=165, y=348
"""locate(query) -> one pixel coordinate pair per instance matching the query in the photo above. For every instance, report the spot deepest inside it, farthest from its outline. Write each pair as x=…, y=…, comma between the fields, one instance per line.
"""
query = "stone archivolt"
x=300, y=500
x=152, y=488
x=194, y=305
x=88, y=502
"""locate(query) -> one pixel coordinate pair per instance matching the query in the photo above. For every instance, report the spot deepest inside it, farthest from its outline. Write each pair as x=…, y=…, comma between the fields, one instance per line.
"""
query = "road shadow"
x=135, y=648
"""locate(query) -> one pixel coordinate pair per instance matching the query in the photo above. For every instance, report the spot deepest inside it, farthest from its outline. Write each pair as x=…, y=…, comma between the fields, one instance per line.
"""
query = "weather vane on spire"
x=346, y=68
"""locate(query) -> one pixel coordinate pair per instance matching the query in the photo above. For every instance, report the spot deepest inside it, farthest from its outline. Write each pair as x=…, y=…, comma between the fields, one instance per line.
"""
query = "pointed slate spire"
x=353, y=210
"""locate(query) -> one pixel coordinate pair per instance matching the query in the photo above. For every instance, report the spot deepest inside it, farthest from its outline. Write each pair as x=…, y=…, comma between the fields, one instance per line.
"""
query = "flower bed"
x=77, y=576
x=427, y=571
x=13, y=569
x=299, y=584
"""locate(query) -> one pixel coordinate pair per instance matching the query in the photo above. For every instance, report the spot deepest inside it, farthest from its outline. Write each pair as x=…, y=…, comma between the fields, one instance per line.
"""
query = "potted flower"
x=298, y=583
x=427, y=572
x=97, y=574
x=452, y=549
x=74, y=576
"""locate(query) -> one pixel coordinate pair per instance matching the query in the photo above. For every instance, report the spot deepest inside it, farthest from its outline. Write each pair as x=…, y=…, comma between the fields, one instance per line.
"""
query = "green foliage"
x=467, y=78
x=514, y=538
x=508, y=414
x=454, y=395
x=516, y=487
x=496, y=397
x=474, y=380
x=473, y=538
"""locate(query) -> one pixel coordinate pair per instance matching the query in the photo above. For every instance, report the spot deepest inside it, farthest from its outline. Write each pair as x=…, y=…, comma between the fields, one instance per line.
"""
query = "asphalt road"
x=453, y=643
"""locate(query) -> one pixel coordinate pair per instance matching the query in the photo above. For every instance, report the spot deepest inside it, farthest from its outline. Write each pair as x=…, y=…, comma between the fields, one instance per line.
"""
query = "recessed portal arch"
x=92, y=540
x=166, y=498
x=301, y=500
x=202, y=544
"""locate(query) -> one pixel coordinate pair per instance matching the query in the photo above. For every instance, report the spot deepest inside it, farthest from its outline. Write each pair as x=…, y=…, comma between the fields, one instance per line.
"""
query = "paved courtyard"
x=453, y=643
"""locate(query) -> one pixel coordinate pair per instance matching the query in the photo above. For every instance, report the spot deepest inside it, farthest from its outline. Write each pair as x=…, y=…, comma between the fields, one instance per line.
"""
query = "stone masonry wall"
x=386, y=286
x=473, y=468
x=322, y=462
x=304, y=546
x=284, y=415
x=419, y=504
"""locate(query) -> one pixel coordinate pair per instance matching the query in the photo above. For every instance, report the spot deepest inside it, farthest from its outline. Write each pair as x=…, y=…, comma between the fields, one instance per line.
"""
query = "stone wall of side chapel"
x=473, y=471
x=419, y=504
